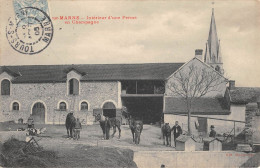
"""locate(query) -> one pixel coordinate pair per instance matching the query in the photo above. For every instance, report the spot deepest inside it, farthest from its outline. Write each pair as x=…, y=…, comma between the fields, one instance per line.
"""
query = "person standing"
x=212, y=132
x=107, y=127
x=177, y=131
x=30, y=122
x=77, y=129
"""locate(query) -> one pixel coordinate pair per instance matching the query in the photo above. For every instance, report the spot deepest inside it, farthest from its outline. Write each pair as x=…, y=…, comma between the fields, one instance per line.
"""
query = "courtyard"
x=92, y=151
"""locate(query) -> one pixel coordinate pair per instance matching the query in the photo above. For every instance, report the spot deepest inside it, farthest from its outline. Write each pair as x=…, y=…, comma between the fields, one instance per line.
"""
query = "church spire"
x=212, y=52
x=213, y=38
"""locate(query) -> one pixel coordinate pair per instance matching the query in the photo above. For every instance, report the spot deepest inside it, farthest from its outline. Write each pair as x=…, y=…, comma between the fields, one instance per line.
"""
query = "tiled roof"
x=57, y=73
x=203, y=106
x=244, y=95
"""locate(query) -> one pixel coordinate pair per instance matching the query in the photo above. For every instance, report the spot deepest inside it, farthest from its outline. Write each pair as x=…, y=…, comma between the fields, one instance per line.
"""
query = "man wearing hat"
x=212, y=132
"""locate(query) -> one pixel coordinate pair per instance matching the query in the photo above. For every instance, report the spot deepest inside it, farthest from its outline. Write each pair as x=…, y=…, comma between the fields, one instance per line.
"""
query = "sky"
x=163, y=31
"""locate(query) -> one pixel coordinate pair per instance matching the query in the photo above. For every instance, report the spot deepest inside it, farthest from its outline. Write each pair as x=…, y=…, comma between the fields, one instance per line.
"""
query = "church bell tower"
x=213, y=55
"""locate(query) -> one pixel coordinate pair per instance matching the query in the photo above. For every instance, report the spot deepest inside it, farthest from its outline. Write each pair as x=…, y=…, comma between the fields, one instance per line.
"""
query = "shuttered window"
x=5, y=87
x=73, y=87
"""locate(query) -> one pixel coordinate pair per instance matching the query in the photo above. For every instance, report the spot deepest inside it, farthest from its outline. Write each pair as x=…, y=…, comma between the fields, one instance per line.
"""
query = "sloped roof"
x=202, y=106
x=57, y=73
x=244, y=95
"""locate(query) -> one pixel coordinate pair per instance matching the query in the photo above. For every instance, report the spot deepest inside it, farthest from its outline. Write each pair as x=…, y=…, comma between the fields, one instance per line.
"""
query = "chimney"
x=232, y=85
x=198, y=54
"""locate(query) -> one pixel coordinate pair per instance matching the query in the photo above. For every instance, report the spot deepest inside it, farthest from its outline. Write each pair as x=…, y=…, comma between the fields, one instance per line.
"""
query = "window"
x=63, y=106
x=73, y=87
x=15, y=106
x=84, y=106
x=5, y=87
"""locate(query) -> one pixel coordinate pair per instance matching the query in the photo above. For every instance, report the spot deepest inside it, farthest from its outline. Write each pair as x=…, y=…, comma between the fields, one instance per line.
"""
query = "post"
x=234, y=132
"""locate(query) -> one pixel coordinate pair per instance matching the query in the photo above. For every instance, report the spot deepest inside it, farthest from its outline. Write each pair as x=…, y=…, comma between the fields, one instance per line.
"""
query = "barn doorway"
x=109, y=109
x=38, y=113
x=147, y=109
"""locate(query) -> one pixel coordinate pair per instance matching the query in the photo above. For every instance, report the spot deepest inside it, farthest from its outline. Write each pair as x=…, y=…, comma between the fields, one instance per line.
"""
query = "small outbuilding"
x=185, y=143
x=212, y=144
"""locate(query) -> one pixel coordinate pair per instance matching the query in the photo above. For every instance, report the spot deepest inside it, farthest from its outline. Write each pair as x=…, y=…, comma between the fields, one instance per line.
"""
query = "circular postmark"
x=30, y=32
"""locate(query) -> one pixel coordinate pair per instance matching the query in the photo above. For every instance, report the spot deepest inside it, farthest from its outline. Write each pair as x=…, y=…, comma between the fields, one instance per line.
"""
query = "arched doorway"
x=109, y=109
x=38, y=113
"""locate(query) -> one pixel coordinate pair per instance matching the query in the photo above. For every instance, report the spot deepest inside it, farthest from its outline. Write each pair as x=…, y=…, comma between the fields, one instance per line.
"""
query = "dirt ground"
x=92, y=136
x=91, y=150
x=73, y=153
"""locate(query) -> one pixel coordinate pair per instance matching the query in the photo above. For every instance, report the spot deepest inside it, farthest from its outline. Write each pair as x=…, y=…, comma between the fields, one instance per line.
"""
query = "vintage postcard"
x=120, y=83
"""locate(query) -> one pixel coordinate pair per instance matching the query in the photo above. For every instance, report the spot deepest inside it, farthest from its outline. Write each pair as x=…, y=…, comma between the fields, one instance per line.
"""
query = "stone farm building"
x=49, y=92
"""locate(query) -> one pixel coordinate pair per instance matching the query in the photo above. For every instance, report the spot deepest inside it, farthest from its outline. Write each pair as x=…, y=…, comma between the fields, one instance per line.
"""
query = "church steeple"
x=212, y=52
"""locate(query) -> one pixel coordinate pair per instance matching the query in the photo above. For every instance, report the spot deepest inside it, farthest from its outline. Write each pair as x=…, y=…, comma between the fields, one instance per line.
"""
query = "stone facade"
x=252, y=112
x=95, y=93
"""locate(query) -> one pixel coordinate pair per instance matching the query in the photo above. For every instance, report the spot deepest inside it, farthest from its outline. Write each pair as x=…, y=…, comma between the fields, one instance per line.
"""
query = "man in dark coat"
x=107, y=127
x=177, y=131
x=212, y=132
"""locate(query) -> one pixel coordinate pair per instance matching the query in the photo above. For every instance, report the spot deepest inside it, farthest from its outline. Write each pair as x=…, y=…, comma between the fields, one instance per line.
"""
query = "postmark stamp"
x=30, y=32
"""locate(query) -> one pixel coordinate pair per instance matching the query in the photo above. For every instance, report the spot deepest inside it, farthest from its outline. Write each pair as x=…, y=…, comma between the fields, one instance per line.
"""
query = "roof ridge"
x=94, y=64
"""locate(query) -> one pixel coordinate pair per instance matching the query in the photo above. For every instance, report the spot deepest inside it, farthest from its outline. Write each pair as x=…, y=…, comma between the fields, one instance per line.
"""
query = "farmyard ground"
x=92, y=151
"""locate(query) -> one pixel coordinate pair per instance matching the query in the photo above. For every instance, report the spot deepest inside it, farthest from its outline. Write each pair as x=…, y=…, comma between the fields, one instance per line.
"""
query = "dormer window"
x=73, y=87
x=5, y=87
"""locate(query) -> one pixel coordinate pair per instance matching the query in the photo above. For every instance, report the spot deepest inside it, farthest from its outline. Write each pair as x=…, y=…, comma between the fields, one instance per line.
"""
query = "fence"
x=229, y=129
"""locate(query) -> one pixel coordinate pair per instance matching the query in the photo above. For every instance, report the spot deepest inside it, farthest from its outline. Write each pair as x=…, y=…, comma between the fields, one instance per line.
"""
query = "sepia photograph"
x=130, y=84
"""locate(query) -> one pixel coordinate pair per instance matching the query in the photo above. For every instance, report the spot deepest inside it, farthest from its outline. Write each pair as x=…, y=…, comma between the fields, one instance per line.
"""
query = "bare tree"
x=193, y=83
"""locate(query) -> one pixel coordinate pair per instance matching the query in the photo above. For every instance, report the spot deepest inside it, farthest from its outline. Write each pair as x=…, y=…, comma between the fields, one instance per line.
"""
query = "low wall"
x=201, y=159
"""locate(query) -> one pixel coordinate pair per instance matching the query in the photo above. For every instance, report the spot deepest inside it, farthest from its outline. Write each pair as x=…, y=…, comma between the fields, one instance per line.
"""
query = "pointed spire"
x=219, y=53
x=213, y=37
x=207, y=58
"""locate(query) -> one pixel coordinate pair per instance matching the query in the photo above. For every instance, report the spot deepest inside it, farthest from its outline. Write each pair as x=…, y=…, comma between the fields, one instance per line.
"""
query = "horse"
x=166, y=133
x=111, y=122
x=70, y=124
x=136, y=127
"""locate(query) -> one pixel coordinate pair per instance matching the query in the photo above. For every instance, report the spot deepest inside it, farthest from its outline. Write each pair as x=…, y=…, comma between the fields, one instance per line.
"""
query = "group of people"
x=177, y=131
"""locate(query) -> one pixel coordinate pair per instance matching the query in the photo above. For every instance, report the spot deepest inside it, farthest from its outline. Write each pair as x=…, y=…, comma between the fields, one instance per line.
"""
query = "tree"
x=195, y=82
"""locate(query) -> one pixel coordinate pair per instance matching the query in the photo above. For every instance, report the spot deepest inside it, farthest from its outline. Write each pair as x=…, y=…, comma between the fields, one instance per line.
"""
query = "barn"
x=49, y=92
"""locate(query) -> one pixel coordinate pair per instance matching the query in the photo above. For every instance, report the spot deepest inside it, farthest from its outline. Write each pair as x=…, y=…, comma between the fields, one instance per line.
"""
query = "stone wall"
x=95, y=93
x=251, y=112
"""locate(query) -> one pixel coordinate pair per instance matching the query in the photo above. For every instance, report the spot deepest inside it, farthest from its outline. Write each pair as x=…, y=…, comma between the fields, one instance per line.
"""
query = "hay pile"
x=13, y=154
